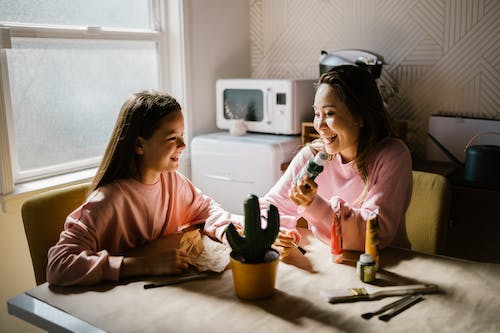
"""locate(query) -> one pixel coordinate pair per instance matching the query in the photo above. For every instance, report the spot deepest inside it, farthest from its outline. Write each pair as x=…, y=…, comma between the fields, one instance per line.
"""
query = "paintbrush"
x=383, y=309
x=301, y=249
x=367, y=294
x=176, y=280
x=414, y=299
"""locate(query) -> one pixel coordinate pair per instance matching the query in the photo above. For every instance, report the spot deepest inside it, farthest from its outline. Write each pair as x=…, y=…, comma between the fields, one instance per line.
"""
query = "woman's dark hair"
x=358, y=91
x=139, y=116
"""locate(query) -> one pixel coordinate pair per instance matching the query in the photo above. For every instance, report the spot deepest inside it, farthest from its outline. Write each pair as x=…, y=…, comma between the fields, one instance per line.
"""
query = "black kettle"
x=482, y=162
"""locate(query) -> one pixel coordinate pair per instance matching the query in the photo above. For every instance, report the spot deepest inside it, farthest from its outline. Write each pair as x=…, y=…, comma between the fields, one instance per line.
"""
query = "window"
x=65, y=70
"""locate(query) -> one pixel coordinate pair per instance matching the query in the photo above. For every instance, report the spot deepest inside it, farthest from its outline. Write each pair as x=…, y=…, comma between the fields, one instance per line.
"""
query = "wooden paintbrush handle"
x=404, y=290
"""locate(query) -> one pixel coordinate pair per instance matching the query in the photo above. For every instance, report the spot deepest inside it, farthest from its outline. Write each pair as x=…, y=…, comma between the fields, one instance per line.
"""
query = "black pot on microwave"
x=369, y=60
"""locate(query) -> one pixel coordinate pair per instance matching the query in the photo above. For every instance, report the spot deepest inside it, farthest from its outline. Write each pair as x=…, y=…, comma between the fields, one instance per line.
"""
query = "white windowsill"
x=27, y=189
x=24, y=190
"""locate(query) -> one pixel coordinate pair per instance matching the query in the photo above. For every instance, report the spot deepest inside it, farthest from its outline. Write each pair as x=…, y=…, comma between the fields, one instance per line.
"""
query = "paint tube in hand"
x=313, y=167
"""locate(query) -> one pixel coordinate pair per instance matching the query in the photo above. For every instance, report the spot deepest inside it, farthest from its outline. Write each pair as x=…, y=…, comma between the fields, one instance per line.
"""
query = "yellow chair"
x=43, y=218
x=428, y=214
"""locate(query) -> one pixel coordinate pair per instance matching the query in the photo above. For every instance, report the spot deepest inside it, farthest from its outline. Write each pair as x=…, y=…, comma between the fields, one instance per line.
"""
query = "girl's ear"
x=139, y=146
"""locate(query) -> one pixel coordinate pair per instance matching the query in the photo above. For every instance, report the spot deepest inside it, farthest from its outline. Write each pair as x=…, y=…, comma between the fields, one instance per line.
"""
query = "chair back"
x=43, y=216
x=428, y=213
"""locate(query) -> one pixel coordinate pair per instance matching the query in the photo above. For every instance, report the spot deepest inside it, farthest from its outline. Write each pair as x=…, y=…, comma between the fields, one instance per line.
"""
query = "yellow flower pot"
x=254, y=281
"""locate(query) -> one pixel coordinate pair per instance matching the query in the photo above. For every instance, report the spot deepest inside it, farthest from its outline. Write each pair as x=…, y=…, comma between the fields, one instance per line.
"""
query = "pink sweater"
x=339, y=185
x=122, y=215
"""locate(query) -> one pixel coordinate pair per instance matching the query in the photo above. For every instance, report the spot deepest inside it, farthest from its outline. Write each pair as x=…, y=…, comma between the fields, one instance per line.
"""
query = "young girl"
x=370, y=170
x=131, y=222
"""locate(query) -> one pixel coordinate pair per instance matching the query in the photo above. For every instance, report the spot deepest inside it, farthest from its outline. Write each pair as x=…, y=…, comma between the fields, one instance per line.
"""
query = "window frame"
x=167, y=31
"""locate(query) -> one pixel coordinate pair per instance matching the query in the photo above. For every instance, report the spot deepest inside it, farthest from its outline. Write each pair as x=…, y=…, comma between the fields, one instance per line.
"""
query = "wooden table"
x=469, y=301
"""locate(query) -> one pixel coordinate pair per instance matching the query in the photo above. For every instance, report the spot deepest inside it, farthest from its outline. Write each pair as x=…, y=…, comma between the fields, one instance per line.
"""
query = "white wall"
x=15, y=264
x=218, y=46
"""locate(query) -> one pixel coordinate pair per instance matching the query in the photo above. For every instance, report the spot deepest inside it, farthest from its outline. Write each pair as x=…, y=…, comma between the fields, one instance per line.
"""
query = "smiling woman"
x=368, y=172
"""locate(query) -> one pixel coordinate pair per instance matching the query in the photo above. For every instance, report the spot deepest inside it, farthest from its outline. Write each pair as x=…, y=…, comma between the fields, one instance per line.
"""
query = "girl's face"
x=161, y=152
x=335, y=124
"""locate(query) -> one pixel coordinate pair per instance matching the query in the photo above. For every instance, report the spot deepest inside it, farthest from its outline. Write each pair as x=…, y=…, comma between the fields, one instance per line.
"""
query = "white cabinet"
x=229, y=168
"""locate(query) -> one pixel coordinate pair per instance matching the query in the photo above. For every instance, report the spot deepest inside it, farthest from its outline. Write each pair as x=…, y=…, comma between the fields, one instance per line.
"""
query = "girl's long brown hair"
x=140, y=115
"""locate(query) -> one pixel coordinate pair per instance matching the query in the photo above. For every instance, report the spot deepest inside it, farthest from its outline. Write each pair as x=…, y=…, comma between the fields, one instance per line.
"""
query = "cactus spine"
x=255, y=242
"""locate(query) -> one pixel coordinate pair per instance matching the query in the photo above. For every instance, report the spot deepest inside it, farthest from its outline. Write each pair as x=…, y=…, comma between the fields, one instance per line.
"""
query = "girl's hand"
x=171, y=241
x=159, y=257
x=167, y=262
x=171, y=261
x=303, y=193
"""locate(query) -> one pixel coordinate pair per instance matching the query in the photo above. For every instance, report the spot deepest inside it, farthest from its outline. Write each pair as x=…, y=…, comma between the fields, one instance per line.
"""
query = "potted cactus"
x=253, y=261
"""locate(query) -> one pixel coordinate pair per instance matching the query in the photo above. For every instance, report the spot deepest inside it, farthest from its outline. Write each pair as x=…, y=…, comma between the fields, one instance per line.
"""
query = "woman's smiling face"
x=335, y=124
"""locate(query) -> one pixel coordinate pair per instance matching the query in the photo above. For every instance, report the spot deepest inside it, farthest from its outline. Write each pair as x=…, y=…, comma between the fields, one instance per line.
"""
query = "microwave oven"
x=276, y=106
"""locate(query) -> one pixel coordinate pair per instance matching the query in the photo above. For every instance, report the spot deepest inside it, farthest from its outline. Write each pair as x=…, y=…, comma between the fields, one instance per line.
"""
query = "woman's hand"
x=284, y=243
x=303, y=193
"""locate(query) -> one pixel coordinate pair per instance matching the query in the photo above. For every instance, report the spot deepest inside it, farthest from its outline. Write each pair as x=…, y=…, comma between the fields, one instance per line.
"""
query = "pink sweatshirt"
x=123, y=215
x=339, y=185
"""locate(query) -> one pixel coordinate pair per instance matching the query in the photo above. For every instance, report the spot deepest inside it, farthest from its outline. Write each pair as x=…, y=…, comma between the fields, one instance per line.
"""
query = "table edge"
x=46, y=316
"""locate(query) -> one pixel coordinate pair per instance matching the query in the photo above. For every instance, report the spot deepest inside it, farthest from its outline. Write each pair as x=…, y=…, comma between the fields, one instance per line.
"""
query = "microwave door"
x=256, y=106
x=248, y=104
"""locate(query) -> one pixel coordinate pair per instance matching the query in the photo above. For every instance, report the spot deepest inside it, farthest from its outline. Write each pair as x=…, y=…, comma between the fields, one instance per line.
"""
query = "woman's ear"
x=139, y=146
x=359, y=122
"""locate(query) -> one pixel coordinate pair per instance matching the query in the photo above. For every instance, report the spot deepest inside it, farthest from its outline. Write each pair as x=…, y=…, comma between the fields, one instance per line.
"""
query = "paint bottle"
x=336, y=251
x=313, y=167
x=366, y=268
x=372, y=239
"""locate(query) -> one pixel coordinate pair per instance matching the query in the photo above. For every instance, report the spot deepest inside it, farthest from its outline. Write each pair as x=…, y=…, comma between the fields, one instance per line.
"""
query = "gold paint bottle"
x=372, y=239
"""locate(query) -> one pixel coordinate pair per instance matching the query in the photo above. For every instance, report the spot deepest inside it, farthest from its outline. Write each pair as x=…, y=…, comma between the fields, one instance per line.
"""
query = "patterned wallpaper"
x=442, y=54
